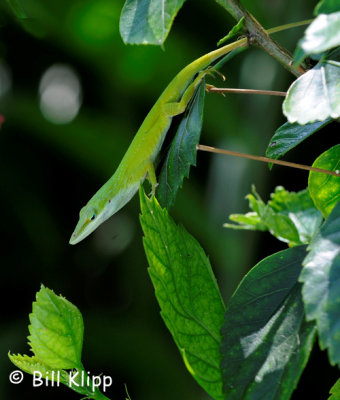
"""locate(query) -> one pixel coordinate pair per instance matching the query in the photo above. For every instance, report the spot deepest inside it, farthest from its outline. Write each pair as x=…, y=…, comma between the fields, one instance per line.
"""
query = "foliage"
x=323, y=100
x=325, y=190
x=186, y=289
x=148, y=21
x=327, y=7
x=291, y=217
x=236, y=30
x=321, y=279
x=56, y=340
x=182, y=153
x=335, y=391
x=257, y=347
x=290, y=135
x=322, y=34
x=264, y=357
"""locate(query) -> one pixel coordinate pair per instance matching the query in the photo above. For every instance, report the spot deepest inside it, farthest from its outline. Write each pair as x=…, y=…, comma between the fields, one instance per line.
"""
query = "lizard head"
x=89, y=219
x=99, y=209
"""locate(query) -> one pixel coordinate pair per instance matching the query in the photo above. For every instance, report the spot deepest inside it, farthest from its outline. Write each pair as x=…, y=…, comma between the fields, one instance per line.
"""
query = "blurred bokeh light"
x=60, y=94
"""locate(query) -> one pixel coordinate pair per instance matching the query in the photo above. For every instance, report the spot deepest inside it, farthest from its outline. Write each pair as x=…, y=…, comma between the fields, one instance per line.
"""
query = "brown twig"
x=212, y=89
x=266, y=159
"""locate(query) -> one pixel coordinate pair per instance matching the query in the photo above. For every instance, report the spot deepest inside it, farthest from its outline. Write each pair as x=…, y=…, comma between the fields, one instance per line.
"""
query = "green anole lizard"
x=137, y=163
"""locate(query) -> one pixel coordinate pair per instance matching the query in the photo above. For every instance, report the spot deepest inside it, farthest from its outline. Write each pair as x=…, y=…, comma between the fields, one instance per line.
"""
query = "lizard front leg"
x=151, y=176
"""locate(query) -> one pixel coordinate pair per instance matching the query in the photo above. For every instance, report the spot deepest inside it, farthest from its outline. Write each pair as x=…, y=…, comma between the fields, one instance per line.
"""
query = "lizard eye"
x=90, y=214
x=93, y=217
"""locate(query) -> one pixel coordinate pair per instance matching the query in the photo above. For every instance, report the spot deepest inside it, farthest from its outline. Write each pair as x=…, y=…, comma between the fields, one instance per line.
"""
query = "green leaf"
x=325, y=189
x=299, y=208
x=56, y=331
x=335, y=391
x=289, y=216
x=266, y=341
x=148, y=21
x=187, y=292
x=250, y=221
x=327, y=7
x=182, y=153
x=321, y=35
x=290, y=135
x=33, y=364
x=321, y=284
x=236, y=29
x=56, y=341
x=315, y=96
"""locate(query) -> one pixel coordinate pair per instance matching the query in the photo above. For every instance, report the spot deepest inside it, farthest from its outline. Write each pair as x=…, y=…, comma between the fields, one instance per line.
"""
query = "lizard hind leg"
x=176, y=108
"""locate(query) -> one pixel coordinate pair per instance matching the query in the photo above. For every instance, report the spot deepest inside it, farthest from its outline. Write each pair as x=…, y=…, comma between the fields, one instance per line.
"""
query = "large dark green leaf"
x=148, y=21
x=182, y=153
x=266, y=341
x=187, y=292
x=327, y=7
x=290, y=135
x=325, y=189
x=321, y=284
x=315, y=96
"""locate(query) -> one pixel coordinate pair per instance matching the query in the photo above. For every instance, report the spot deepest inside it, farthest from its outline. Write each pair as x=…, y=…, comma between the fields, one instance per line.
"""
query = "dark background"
x=48, y=171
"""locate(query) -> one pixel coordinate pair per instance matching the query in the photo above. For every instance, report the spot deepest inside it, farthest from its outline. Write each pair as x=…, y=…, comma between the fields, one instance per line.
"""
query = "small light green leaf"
x=290, y=135
x=148, y=21
x=266, y=341
x=279, y=226
x=315, y=96
x=236, y=29
x=325, y=189
x=182, y=153
x=321, y=284
x=327, y=7
x=321, y=35
x=250, y=221
x=33, y=364
x=187, y=292
x=56, y=331
x=335, y=391
x=289, y=216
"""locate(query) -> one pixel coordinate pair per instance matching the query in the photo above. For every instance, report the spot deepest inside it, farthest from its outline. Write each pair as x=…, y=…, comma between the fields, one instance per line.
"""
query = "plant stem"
x=266, y=159
x=258, y=36
x=210, y=88
x=289, y=26
x=240, y=49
